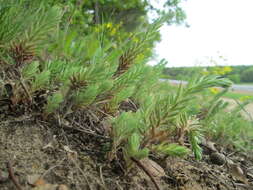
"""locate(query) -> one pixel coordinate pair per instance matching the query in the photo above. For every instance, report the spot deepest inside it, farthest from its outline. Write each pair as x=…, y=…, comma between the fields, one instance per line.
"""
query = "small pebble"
x=62, y=187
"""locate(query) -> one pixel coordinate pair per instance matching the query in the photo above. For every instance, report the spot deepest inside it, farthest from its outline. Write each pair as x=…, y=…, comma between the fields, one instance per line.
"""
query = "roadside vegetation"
x=237, y=74
x=239, y=96
x=60, y=67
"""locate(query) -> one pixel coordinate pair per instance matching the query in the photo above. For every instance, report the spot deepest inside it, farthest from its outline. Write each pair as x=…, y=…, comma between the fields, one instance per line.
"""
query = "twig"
x=242, y=185
x=12, y=176
x=18, y=120
x=101, y=176
x=140, y=165
x=135, y=107
x=85, y=177
x=82, y=130
x=103, y=112
x=25, y=89
x=50, y=169
x=242, y=107
x=229, y=155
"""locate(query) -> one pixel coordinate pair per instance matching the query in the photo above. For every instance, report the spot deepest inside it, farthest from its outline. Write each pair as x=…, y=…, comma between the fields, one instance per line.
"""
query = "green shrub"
x=235, y=78
x=247, y=75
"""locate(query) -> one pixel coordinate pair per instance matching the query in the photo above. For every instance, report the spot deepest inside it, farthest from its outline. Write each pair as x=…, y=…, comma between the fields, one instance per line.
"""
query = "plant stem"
x=141, y=166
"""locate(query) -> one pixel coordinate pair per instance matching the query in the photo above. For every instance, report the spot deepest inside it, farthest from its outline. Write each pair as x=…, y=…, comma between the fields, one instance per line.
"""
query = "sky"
x=218, y=28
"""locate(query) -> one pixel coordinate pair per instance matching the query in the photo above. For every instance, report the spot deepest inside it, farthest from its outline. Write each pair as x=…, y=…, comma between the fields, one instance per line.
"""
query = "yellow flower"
x=227, y=69
x=205, y=73
x=136, y=40
x=214, y=90
x=97, y=29
x=244, y=98
x=216, y=72
x=108, y=25
x=113, y=32
x=140, y=57
x=222, y=70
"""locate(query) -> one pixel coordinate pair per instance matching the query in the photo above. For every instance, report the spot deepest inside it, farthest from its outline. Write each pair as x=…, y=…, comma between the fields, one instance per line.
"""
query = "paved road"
x=242, y=87
x=247, y=113
x=236, y=87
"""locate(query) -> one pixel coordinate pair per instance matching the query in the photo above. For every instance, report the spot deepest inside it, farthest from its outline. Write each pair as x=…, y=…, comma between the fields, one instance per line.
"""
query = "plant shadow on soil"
x=78, y=160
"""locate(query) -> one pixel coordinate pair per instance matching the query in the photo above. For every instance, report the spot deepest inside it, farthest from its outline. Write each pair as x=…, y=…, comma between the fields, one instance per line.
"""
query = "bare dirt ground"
x=247, y=112
x=69, y=159
x=41, y=155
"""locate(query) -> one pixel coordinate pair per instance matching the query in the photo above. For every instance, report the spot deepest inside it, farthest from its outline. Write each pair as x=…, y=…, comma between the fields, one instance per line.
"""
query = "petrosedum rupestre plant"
x=89, y=73
x=161, y=123
x=78, y=72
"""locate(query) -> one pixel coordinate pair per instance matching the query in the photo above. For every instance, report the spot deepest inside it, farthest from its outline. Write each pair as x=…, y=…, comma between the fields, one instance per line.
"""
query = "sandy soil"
x=78, y=161
x=247, y=112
